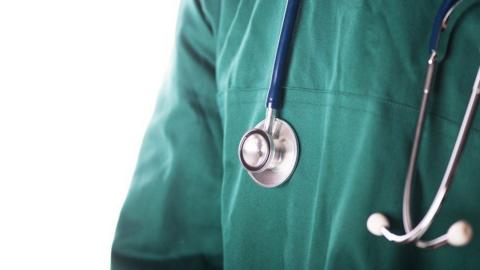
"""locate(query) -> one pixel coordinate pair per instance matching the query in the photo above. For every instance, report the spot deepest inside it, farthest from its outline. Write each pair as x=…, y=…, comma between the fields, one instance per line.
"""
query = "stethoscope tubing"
x=440, y=21
x=275, y=92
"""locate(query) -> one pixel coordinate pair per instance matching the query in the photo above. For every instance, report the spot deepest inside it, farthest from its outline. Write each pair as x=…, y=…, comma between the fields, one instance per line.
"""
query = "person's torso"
x=353, y=90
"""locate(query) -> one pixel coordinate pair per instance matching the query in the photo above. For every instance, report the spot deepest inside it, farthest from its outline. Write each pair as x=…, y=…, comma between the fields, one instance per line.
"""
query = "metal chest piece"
x=269, y=157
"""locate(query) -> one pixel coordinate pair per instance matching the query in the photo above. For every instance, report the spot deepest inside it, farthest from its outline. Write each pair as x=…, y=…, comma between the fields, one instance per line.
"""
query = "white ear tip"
x=376, y=222
x=460, y=233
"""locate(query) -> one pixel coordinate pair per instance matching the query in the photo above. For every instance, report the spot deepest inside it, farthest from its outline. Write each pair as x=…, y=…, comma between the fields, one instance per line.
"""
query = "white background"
x=78, y=83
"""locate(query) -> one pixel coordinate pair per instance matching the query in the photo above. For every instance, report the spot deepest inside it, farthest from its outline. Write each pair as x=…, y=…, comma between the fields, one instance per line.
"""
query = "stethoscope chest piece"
x=269, y=157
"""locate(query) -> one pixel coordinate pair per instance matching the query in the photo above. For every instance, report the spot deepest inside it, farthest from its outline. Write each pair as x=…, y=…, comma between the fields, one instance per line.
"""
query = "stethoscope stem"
x=270, y=116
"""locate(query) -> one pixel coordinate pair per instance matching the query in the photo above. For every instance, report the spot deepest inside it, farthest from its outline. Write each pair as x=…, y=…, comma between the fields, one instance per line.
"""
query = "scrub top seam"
x=321, y=91
x=399, y=105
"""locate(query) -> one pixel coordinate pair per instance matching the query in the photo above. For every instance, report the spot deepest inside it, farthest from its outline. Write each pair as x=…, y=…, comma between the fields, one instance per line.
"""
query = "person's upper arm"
x=171, y=217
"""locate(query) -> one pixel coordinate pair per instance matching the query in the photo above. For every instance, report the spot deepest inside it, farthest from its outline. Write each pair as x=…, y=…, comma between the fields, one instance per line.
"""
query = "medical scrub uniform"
x=353, y=88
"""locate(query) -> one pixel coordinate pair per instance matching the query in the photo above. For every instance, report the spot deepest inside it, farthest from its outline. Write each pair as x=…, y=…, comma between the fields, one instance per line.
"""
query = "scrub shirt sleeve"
x=171, y=217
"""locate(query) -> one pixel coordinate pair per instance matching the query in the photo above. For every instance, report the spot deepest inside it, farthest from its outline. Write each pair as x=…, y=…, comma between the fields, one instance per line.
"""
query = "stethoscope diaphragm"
x=269, y=156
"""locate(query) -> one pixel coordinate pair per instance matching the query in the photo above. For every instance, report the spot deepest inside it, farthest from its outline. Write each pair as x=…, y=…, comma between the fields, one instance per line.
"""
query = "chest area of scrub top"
x=355, y=66
x=374, y=49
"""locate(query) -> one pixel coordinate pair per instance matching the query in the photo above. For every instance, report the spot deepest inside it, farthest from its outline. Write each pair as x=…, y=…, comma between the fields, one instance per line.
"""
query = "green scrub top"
x=353, y=90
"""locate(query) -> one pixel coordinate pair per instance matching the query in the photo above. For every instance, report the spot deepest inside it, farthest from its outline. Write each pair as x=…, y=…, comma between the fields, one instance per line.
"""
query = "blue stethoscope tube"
x=275, y=93
x=440, y=22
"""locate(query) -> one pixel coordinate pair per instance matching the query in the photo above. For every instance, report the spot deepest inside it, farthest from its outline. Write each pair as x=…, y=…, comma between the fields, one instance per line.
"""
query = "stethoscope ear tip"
x=460, y=233
x=376, y=222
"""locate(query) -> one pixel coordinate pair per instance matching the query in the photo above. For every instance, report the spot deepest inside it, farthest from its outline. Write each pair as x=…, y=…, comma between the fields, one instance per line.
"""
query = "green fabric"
x=354, y=86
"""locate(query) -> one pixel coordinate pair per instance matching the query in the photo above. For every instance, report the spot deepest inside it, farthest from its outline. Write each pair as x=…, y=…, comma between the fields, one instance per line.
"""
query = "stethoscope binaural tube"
x=459, y=233
x=269, y=152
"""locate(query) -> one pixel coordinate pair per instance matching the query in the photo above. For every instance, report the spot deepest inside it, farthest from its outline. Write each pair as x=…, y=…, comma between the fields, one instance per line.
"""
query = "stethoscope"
x=269, y=152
